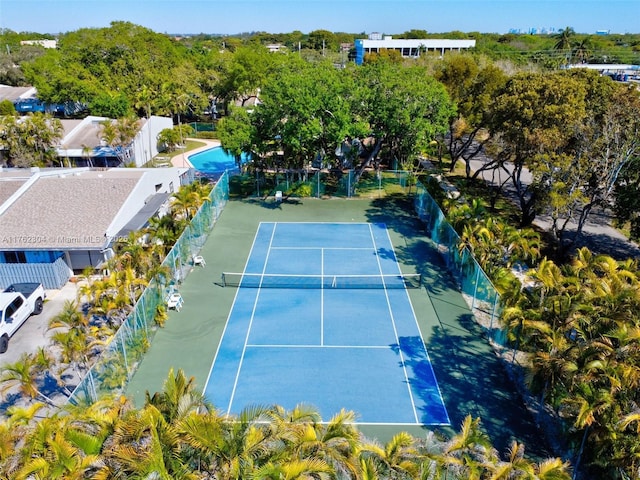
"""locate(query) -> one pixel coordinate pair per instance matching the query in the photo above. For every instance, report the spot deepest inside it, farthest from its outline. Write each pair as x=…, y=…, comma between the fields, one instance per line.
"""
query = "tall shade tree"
x=405, y=108
x=235, y=133
x=31, y=140
x=306, y=111
x=243, y=74
x=535, y=116
x=92, y=64
x=473, y=88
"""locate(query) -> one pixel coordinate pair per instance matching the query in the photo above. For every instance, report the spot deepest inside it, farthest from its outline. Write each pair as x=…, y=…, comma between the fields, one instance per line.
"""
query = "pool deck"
x=183, y=159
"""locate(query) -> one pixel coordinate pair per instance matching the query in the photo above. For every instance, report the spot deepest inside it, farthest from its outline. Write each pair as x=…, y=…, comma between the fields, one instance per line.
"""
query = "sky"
x=351, y=16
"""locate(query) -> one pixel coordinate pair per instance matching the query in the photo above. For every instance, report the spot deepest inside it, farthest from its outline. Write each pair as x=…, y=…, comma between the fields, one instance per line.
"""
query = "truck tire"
x=4, y=343
x=37, y=308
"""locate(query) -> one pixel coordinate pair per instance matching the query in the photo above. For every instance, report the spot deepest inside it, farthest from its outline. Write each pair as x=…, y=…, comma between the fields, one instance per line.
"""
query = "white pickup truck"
x=17, y=303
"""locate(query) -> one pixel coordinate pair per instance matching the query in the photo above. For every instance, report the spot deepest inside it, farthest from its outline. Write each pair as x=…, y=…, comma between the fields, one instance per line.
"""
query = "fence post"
x=475, y=286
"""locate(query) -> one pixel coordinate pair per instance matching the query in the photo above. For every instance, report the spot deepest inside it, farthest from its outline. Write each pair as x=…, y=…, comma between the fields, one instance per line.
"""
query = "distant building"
x=602, y=32
x=409, y=48
x=42, y=43
x=276, y=47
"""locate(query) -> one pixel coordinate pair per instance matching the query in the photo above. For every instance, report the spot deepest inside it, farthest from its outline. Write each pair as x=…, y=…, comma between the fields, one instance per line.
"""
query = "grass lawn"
x=164, y=158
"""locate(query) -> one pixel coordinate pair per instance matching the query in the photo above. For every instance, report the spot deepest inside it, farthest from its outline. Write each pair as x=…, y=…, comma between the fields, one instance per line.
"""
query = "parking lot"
x=33, y=334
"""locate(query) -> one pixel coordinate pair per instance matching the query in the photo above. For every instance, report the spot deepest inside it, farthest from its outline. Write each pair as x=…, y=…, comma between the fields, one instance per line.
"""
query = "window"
x=15, y=257
x=13, y=307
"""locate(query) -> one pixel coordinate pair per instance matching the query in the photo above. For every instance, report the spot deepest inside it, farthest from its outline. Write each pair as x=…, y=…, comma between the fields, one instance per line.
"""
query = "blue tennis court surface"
x=355, y=348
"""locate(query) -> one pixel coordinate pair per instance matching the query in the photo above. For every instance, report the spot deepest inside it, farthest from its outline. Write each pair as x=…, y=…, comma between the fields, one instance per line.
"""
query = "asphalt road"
x=598, y=234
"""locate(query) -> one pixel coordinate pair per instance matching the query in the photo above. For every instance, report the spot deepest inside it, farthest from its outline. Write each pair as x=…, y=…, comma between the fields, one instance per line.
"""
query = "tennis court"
x=322, y=316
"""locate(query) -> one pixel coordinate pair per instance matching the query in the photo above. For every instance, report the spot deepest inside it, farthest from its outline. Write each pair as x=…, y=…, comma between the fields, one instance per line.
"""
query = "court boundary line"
x=393, y=318
x=328, y=223
x=317, y=248
x=424, y=347
x=253, y=313
x=370, y=224
x=322, y=298
x=226, y=323
x=300, y=345
x=380, y=424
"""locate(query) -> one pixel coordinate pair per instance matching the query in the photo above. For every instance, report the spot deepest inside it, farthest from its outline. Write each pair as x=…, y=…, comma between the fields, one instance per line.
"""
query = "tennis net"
x=272, y=280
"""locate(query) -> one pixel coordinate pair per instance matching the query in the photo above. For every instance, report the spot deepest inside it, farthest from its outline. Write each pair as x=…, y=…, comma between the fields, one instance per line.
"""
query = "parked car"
x=17, y=303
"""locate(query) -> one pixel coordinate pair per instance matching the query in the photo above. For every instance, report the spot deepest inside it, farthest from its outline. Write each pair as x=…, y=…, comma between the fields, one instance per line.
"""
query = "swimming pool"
x=214, y=162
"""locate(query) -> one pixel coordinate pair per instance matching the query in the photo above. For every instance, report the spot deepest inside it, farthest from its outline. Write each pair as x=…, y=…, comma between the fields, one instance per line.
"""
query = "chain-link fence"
x=320, y=183
x=477, y=289
x=120, y=359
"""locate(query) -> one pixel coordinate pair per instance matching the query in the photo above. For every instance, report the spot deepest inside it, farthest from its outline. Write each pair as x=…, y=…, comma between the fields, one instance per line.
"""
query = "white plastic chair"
x=278, y=196
x=199, y=260
x=175, y=301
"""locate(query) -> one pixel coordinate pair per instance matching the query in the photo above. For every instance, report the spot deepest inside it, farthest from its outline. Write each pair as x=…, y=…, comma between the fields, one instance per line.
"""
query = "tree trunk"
x=367, y=162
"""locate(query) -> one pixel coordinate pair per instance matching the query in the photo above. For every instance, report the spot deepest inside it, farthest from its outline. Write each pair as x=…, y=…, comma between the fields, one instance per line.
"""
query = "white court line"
x=266, y=345
x=320, y=248
x=224, y=330
x=326, y=223
x=395, y=331
x=253, y=312
x=322, y=298
x=415, y=318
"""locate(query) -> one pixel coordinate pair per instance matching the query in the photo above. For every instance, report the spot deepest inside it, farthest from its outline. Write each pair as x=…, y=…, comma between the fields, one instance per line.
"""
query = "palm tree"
x=564, y=39
x=398, y=459
x=23, y=375
x=119, y=135
x=86, y=153
x=70, y=317
x=144, y=445
x=582, y=51
x=588, y=405
x=469, y=451
x=60, y=459
x=186, y=201
x=335, y=443
x=291, y=468
x=178, y=397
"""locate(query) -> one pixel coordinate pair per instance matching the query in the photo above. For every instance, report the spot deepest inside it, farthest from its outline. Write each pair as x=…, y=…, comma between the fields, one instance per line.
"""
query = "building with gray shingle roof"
x=57, y=222
x=14, y=94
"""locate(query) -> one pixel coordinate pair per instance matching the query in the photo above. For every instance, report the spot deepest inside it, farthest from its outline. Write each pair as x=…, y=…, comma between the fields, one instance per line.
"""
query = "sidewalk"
x=182, y=160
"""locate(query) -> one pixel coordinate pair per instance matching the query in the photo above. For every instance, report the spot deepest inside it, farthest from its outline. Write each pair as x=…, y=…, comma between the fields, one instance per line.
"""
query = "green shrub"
x=207, y=135
x=301, y=190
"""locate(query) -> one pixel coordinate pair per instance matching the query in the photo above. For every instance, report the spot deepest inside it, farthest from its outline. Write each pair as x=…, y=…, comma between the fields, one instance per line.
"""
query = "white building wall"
x=154, y=180
x=145, y=145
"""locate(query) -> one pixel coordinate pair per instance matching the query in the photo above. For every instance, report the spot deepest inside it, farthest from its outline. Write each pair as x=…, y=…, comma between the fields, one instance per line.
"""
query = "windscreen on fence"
x=477, y=289
x=117, y=363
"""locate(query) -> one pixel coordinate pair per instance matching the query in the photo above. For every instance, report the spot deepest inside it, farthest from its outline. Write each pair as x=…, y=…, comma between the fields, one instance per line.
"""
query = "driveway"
x=33, y=333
